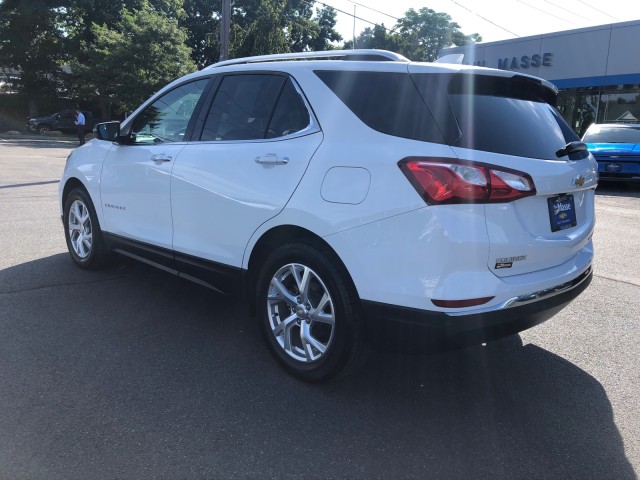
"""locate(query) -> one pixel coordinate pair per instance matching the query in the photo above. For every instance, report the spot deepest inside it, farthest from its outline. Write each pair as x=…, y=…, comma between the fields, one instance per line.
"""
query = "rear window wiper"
x=571, y=147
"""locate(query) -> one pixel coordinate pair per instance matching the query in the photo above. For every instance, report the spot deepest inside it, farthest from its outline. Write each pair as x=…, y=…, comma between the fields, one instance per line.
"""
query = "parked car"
x=616, y=148
x=63, y=121
x=347, y=201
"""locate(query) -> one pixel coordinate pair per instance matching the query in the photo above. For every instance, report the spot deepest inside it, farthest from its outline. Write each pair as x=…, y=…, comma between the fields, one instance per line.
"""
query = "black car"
x=63, y=121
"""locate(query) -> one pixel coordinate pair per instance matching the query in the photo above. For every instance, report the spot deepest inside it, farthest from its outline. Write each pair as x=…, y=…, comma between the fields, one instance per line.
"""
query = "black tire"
x=44, y=129
x=87, y=252
x=343, y=339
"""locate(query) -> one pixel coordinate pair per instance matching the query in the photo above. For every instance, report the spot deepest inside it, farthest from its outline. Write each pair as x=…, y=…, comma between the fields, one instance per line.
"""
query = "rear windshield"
x=507, y=115
x=512, y=116
x=598, y=134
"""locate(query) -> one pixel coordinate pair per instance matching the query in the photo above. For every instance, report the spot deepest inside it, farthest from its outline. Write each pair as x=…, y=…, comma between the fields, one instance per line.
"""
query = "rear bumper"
x=392, y=324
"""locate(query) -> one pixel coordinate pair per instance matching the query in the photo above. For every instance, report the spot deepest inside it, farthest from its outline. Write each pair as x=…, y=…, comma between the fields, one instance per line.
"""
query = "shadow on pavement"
x=619, y=189
x=133, y=373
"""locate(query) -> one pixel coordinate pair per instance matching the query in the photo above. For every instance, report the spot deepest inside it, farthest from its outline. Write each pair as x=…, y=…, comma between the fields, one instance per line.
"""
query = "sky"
x=493, y=19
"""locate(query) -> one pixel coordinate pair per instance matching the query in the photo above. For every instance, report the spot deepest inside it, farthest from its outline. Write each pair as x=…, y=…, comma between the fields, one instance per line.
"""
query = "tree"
x=202, y=25
x=326, y=20
x=258, y=29
x=130, y=60
x=377, y=37
x=32, y=42
x=280, y=26
x=425, y=32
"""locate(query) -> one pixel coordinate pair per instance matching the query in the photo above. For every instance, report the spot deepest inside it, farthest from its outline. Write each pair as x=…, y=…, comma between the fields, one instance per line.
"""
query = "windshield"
x=601, y=134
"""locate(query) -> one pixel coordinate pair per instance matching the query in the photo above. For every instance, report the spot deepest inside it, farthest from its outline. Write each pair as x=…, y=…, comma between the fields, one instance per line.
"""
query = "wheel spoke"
x=284, y=325
x=85, y=216
x=76, y=212
x=87, y=241
x=74, y=227
x=80, y=246
x=287, y=337
x=303, y=284
x=323, y=318
x=319, y=315
x=309, y=343
x=281, y=293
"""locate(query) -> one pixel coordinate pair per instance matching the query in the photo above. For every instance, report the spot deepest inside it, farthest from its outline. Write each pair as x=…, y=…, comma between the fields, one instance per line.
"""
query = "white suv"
x=351, y=196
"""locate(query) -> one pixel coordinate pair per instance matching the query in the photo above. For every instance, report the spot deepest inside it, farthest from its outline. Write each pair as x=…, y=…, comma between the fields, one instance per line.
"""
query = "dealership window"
x=609, y=104
x=621, y=104
x=580, y=107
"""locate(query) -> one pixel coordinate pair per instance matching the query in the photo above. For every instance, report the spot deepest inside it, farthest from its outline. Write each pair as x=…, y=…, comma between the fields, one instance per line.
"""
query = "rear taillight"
x=446, y=180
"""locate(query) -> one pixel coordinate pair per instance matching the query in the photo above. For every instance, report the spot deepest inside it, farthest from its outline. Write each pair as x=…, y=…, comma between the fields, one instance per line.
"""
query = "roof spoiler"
x=455, y=58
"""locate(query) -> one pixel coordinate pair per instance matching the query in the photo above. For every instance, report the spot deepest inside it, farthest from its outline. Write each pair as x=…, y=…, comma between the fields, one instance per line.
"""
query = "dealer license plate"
x=562, y=212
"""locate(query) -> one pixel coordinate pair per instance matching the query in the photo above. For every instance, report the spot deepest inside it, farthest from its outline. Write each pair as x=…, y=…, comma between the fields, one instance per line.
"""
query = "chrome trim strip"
x=530, y=297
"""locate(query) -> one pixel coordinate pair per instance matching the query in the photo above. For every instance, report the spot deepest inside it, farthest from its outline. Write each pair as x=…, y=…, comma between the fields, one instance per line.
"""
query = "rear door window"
x=256, y=106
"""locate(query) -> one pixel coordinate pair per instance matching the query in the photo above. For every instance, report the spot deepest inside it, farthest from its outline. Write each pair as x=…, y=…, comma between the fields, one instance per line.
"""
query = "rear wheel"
x=309, y=313
x=82, y=231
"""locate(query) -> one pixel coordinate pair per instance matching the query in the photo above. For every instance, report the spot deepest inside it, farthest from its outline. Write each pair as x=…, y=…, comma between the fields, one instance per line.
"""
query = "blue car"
x=616, y=147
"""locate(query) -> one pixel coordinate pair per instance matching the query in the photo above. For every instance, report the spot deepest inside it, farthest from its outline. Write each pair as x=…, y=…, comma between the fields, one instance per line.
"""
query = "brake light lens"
x=446, y=180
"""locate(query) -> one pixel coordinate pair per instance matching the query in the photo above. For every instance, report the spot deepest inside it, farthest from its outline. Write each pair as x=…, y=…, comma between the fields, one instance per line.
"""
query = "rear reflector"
x=469, y=302
x=447, y=180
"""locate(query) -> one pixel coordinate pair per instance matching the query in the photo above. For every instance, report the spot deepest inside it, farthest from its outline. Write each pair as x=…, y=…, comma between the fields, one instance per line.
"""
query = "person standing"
x=80, y=121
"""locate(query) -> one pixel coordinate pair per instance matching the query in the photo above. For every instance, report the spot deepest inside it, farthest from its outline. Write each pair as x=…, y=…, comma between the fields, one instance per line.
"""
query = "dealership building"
x=596, y=69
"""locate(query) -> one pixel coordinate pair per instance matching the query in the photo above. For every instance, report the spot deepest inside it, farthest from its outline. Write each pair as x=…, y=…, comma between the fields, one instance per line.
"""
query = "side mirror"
x=109, y=131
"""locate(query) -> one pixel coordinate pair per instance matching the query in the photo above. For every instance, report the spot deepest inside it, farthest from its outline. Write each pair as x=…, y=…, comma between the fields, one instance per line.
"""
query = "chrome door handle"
x=161, y=157
x=272, y=159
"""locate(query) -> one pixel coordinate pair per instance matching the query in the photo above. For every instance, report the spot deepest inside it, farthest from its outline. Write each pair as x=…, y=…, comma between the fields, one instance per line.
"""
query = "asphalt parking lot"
x=132, y=373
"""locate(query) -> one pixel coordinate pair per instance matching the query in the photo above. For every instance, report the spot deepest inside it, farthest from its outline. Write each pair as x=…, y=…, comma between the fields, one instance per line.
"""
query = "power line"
x=485, y=19
x=350, y=14
x=546, y=13
x=568, y=11
x=599, y=11
x=374, y=10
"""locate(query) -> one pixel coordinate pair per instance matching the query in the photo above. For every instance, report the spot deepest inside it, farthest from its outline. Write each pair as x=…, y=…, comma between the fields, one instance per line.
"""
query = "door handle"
x=272, y=159
x=161, y=157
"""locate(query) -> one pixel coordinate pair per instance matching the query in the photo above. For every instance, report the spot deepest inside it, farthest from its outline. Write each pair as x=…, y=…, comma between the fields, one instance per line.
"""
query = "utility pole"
x=225, y=31
x=353, y=47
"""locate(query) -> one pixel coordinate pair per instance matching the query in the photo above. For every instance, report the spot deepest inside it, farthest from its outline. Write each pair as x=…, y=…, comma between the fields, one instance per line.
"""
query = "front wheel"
x=310, y=313
x=44, y=129
x=82, y=231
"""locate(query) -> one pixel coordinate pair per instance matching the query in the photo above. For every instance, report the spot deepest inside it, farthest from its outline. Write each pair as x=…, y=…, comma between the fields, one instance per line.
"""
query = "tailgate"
x=538, y=232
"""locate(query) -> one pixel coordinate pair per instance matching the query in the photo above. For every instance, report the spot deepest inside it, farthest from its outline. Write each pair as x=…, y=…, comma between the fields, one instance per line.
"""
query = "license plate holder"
x=562, y=212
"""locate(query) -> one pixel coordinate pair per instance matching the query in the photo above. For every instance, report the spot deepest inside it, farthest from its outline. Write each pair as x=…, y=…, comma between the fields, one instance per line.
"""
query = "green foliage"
x=130, y=60
x=378, y=37
x=280, y=26
x=259, y=30
x=326, y=21
x=120, y=52
x=202, y=25
x=425, y=32
x=32, y=41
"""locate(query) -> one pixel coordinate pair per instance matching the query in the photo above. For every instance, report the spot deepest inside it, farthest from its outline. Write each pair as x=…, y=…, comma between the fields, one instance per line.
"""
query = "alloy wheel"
x=80, y=230
x=301, y=313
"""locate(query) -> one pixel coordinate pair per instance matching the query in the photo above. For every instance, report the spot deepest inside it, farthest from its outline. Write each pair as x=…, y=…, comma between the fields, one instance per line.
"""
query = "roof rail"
x=360, y=54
